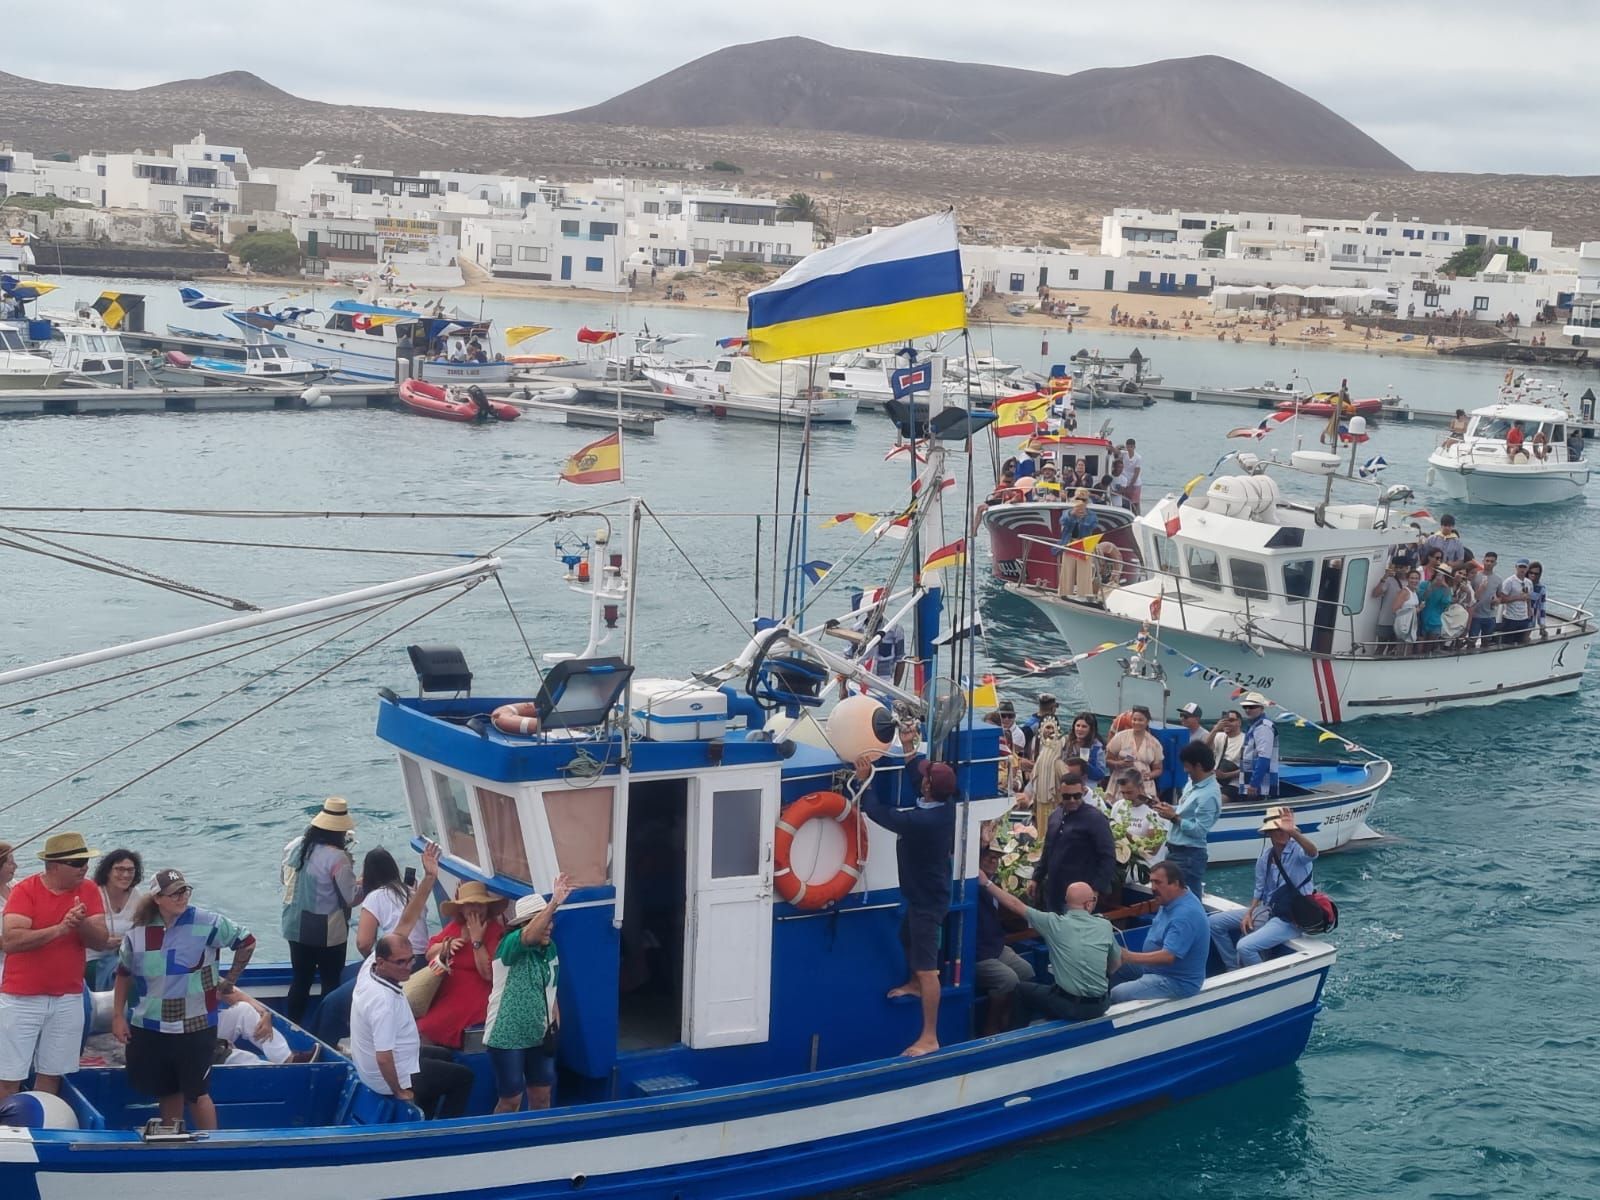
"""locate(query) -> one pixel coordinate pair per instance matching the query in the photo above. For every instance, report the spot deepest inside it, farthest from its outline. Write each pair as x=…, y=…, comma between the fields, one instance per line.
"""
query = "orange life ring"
x=516, y=718
x=816, y=806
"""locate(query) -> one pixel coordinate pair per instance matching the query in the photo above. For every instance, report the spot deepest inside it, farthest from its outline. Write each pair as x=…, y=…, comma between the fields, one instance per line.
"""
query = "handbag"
x=1314, y=913
x=423, y=985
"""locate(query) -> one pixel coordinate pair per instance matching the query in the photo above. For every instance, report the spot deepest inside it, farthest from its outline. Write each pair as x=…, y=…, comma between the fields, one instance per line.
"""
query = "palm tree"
x=801, y=207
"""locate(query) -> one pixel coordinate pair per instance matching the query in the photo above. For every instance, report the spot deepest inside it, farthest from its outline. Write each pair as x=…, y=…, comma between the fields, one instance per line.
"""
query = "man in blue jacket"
x=1258, y=768
x=925, y=839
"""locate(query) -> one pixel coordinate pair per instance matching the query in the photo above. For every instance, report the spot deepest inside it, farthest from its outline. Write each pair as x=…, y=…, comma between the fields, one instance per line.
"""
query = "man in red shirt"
x=51, y=919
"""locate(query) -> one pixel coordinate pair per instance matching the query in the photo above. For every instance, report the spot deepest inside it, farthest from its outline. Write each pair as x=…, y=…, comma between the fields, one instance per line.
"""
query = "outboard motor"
x=481, y=402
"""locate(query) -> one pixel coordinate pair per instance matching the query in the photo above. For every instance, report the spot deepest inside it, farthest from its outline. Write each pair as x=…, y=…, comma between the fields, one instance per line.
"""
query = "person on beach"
x=165, y=1006
x=925, y=840
x=51, y=921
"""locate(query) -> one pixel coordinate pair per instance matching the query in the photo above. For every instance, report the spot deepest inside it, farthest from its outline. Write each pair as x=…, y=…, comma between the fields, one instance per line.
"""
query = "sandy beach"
x=1177, y=317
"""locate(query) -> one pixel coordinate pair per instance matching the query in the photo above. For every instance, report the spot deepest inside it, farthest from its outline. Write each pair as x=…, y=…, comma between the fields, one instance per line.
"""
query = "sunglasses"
x=179, y=894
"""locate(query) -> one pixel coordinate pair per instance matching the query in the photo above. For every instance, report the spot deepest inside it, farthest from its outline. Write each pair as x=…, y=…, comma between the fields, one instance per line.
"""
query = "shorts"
x=40, y=1033
x=164, y=1064
x=517, y=1070
x=920, y=931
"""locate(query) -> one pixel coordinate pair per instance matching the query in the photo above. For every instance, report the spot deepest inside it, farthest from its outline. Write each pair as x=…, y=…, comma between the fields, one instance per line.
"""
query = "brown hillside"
x=1205, y=108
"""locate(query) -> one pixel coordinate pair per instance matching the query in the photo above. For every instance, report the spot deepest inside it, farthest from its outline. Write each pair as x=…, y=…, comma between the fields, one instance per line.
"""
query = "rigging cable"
x=125, y=571
x=737, y=620
x=297, y=688
x=193, y=712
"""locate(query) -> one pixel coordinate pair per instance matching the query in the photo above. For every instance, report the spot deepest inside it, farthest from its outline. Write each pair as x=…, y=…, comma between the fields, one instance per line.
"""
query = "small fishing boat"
x=1514, y=453
x=21, y=368
x=448, y=404
x=263, y=365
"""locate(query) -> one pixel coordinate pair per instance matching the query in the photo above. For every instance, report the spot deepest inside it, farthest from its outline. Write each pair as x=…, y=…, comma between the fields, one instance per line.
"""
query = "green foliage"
x=1466, y=262
x=1217, y=239
x=724, y=165
x=801, y=207
x=42, y=203
x=751, y=269
x=275, y=253
x=1516, y=260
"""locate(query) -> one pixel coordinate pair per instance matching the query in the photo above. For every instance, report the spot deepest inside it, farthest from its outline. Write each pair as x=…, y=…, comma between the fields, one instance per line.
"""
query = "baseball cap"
x=1190, y=709
x=1522, y=562
x=168, y=881
x=941, y=779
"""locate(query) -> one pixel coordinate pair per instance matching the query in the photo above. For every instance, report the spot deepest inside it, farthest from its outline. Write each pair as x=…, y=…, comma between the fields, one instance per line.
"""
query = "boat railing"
x=1264, y=616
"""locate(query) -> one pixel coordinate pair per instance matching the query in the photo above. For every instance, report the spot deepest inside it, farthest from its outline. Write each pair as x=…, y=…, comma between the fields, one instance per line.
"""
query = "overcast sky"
x=1472, y=85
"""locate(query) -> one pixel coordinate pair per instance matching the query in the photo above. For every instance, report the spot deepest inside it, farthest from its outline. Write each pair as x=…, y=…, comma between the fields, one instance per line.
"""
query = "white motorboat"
x=21, y=368
x=363, y=341
x=263, y=365
x=694, y=385
x=864, y=374
x=1534, y=467
x=1256, y=589
x=820, y=408
x=93, y=356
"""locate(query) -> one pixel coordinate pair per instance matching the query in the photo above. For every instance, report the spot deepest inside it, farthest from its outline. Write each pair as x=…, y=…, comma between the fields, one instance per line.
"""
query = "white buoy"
x=315, y=397
x=37, y=1110
x=860, y=725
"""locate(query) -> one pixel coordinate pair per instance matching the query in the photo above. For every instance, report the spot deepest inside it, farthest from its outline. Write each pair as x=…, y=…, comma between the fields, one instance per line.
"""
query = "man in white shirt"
x=1516, y=617
x=385, y=1046
x=1133, y=485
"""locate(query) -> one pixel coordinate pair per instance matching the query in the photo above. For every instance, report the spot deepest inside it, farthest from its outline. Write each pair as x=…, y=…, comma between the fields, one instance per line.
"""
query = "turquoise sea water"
x=1454, y=1055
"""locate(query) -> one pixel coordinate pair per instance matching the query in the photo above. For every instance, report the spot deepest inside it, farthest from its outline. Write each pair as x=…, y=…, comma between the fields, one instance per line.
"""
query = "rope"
x=299, y=687
x=76, y=771
x=737, y=620
x=515, y=620
x=279, y=637
x=150, y=537
x=172, y=662
x=125, y=571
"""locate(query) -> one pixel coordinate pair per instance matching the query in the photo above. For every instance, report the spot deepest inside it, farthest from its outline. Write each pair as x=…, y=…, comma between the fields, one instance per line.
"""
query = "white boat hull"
x=1324, y=689
x=1518, y=485
x=823, y=410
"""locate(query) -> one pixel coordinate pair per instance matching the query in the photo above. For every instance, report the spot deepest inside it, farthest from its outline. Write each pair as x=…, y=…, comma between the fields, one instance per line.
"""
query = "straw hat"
x=472, y=892
x=66, y=848
x=1278, y=817
x=528, y=907
x=1252, y=700
x=335, y=816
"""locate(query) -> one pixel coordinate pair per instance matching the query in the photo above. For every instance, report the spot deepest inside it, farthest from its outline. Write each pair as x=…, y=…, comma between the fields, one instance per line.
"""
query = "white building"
x=575, y=243
x=1017, y=272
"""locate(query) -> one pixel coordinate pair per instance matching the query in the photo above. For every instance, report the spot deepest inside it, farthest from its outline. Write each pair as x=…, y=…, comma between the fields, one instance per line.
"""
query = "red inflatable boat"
x=431, y=400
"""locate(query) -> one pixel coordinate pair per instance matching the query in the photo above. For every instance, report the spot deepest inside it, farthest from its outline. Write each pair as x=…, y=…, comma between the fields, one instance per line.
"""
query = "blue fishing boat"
x=729, y=950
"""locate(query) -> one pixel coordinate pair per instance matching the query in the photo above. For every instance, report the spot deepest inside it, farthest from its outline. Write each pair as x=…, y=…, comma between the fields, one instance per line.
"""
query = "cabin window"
x=1204, y=567
x=460, y=834
x=502, y=832
x=1164, y=553
x=1249, y=578
x=1297, y=577
x=580, y=829
x=1355, y=586
x=735, y=833
x=417, y=799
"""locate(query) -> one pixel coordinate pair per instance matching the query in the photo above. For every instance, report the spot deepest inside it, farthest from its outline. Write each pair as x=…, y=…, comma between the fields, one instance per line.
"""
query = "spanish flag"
x=1020, y=417
x=862, y=521
x=887, y=287
x=953, y=555
x=598, y=462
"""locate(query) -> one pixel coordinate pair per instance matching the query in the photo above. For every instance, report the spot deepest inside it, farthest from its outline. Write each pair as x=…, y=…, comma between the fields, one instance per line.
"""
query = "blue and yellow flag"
x=815, y=570
x=889, y=286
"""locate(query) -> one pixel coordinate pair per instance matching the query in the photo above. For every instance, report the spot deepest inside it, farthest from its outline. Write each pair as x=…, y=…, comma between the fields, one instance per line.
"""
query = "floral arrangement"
x=1135, y=844
x=1020, y=847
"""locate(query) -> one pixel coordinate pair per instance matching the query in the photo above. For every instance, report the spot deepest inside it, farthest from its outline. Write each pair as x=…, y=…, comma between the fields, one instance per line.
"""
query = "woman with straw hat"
x=468, y=943
x=319, y=889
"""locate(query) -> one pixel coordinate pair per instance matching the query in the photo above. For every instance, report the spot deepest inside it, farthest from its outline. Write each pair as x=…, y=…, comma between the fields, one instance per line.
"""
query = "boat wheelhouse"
x=1514, y=453
x=1244, y=568
x=21, y=367
x=366, y=341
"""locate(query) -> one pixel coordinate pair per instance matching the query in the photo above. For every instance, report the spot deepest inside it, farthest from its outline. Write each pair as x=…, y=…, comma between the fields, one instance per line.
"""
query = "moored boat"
x=1515, y=453
x=1243, y=566
x=449, y=404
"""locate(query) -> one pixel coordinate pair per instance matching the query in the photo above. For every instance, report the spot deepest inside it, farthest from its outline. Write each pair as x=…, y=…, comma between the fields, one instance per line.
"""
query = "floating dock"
x=74, y=401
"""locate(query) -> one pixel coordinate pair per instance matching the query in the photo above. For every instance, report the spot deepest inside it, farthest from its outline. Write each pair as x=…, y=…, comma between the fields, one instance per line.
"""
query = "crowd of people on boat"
x=402, y=1011
x=1044, y=474
x=1437, y=596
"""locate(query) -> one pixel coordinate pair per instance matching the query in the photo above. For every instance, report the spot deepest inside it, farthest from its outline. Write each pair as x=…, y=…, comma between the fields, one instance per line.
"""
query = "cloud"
x=1442, y=89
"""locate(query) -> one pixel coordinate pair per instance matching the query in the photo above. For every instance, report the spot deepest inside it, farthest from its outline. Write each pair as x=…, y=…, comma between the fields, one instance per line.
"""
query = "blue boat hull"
x=800, y=1136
